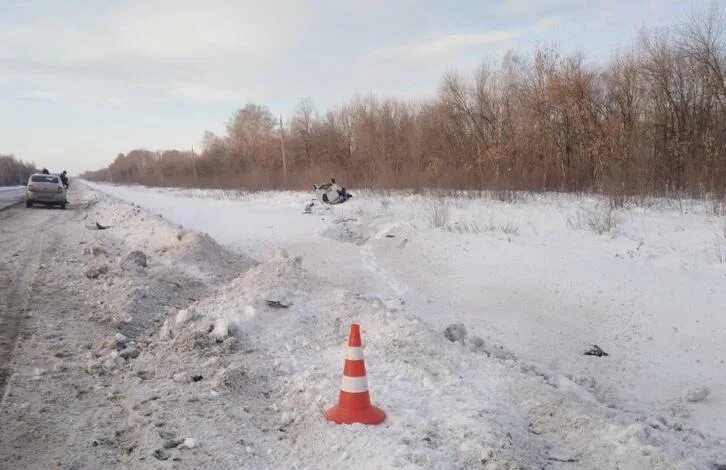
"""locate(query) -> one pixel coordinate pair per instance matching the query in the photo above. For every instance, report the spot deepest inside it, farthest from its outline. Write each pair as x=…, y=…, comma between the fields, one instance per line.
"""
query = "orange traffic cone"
x=354, y=403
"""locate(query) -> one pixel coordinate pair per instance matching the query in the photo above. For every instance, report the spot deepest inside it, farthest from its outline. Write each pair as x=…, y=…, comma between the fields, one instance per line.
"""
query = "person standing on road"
x=64, y=179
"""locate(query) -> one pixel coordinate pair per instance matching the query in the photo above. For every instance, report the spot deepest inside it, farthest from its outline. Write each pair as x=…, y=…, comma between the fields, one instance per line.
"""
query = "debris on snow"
x=456, y=332
x=161, y=454
x=595, y=350
x=476, y=343
x=95, y=271
x=97, y=226
x=121, y=340
x=172, y=443
x=278, y=303
x=309, y=207
x=563, y=459
x=131, y=352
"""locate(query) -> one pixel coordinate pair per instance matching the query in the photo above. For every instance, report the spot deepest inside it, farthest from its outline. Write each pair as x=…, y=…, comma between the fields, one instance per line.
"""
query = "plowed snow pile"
x=265, y=375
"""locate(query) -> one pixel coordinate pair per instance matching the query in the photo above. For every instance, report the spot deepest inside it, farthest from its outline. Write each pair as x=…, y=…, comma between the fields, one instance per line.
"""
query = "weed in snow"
x=719, y=247
x=599, y=221
x=509, y=228
x=438, y=214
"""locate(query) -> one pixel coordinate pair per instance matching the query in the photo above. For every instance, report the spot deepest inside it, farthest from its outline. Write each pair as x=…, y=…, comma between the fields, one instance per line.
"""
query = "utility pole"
x=194, y=167
x=282, y=147
x=160, y=165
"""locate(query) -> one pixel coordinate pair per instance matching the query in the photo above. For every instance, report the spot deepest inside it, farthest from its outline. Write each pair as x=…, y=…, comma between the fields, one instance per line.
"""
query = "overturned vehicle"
x=331, y=193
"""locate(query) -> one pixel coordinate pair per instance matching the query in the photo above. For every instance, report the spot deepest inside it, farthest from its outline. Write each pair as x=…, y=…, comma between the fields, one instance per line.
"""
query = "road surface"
x=10, y=195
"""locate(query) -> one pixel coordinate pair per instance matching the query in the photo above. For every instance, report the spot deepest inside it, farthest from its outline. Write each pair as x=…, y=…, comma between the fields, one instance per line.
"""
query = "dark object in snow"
x=476, y=343
x=161, y=454
x=121, y=341
x=97, y=226
x=562, y=459
x=98, y=251
x=197, y=378
x=390, y=235
x=95, y=271
x=595, y=350
x=309, y=207
x=130, y=352
x=171, y=443
x=133, y=260
x=278, y=303
x=455, y=332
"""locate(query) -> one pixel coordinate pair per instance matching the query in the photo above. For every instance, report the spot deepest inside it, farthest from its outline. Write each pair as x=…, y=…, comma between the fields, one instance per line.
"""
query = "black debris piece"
x=595, y=350
x=278, y=303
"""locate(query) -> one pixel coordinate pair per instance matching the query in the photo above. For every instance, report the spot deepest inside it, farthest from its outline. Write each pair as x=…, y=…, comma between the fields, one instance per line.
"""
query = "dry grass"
x=601, y=220
x=438, y=213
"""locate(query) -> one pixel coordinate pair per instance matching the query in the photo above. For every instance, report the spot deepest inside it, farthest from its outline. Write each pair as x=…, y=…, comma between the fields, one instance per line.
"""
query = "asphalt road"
x=10, y=195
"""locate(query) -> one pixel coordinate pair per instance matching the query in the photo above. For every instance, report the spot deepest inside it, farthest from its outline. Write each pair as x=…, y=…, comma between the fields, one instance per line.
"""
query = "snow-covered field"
x=532, y=276
x=539, y=279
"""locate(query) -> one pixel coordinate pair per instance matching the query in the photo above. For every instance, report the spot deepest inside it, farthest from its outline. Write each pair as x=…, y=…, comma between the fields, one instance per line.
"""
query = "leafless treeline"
x=14, y=171
x=652, y=120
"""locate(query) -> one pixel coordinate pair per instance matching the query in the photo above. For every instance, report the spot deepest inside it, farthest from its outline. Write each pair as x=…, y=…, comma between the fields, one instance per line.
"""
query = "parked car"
x=45, y=189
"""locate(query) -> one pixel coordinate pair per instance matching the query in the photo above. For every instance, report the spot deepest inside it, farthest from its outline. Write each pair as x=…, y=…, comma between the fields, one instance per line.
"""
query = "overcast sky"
x=81, y=81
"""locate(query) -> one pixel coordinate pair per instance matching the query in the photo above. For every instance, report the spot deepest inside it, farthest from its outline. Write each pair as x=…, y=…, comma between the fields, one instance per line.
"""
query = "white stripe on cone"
x=355, y=353
x=354, y=384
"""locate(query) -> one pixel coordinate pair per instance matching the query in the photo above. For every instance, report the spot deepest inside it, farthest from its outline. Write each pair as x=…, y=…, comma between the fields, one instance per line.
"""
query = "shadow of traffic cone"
x=354, y=403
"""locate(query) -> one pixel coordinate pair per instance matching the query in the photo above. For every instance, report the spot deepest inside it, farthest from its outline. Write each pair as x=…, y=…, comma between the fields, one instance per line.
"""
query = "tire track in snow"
x=18, y=296
x=368, y=259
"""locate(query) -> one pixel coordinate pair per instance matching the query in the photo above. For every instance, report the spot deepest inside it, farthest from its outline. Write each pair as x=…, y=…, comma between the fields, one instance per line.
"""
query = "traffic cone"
x=354, y=403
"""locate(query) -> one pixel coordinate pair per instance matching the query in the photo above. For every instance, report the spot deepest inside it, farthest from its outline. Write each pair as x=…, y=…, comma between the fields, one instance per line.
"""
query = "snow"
x=535, y=282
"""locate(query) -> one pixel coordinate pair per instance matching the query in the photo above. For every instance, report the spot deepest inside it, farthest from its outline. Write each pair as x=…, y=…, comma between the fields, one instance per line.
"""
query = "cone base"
x=370, y=415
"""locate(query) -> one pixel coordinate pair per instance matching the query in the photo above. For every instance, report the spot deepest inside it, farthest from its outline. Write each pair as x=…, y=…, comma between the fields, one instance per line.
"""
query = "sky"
x=81, y=81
